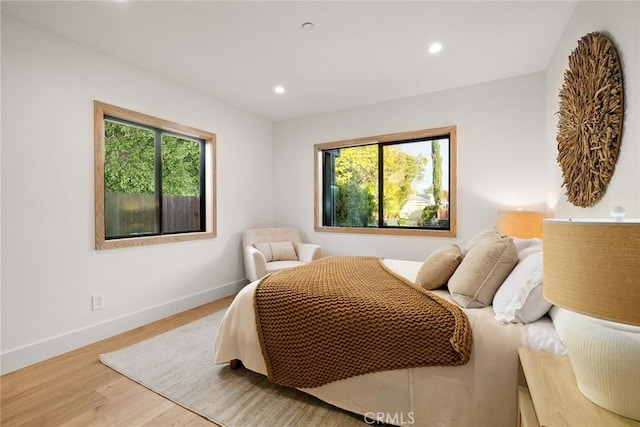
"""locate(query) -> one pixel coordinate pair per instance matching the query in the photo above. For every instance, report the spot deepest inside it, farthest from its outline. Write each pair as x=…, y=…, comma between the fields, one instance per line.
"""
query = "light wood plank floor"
x=75, y=389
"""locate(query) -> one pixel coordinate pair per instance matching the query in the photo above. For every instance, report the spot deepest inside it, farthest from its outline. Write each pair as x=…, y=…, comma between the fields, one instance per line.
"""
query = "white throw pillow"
x=542, y=335
x=519, y=299
x=561, y=318
x=533, y=249
x=526, y=247
x=277, y=251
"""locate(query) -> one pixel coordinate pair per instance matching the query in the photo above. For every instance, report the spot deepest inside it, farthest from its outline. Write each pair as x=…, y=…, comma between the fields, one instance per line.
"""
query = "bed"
x=482, y=392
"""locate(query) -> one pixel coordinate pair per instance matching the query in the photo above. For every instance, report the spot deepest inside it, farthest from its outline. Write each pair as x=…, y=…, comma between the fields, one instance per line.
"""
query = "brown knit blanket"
x=343, y=316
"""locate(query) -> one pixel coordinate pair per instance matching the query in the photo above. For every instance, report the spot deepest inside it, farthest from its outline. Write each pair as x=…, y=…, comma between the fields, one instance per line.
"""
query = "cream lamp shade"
x=522, y=224
x=592, y=267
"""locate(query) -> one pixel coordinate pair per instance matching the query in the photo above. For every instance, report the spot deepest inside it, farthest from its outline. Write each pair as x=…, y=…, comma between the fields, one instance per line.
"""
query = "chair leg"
x=235, y=364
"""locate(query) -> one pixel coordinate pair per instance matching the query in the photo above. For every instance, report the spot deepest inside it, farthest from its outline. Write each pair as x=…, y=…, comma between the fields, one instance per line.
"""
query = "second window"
x=396, y=182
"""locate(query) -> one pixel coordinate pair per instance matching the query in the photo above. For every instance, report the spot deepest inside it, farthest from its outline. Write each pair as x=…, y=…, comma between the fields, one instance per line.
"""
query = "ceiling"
x=358, y=52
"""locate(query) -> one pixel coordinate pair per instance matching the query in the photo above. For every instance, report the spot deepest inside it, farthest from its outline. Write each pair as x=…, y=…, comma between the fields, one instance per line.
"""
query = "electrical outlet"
x=97, y=302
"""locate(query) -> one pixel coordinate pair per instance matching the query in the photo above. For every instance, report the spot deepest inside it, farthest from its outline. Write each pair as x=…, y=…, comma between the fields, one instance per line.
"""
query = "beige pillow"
x=439, y=266
x=482, y=271
x=277, y=251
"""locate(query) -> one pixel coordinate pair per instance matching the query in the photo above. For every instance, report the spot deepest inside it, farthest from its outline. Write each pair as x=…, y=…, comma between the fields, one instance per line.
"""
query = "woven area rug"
x=179, y=366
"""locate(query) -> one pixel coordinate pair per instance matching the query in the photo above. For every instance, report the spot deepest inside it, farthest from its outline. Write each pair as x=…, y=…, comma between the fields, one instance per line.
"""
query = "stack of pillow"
x=491, y=269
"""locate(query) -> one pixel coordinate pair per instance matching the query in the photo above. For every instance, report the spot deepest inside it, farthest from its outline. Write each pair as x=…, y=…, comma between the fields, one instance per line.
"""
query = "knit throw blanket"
x=343, y=316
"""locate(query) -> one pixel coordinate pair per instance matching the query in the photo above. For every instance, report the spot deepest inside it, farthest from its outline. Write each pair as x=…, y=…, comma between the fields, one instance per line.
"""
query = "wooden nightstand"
x=548, y=395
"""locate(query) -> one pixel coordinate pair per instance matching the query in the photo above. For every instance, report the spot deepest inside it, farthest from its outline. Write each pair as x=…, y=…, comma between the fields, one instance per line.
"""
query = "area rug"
x=179, y=366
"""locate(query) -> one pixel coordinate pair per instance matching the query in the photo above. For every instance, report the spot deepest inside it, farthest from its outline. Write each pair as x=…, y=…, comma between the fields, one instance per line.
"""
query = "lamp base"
x=606, y=360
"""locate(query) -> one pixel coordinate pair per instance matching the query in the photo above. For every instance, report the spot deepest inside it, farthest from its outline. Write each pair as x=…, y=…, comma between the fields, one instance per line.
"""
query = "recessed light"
x=435, y=48
x=308, y=26
x=279, y=89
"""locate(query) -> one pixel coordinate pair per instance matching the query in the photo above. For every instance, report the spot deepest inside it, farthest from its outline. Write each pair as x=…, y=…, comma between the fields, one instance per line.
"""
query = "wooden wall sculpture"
x=590, y=119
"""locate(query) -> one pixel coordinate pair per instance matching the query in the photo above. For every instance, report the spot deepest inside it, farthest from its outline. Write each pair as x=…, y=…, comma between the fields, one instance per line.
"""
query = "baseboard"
x=54, y=346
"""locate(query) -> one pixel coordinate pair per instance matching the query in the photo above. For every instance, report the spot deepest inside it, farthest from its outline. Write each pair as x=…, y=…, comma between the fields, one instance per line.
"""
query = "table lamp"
x=592, y=267
x=522, y=224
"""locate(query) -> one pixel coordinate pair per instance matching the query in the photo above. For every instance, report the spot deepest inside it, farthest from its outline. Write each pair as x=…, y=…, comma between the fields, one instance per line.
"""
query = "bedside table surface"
x=555, y=395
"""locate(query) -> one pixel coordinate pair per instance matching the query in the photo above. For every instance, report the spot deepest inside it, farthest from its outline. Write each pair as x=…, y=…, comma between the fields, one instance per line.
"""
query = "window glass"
x=416, y=184
x=352, y=200
x=181, y=180
x=400, y=182
x=129, y=178
x=154, y=180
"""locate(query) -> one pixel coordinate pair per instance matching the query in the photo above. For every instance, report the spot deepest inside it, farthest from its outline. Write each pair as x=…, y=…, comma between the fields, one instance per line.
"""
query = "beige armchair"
x=271, y=249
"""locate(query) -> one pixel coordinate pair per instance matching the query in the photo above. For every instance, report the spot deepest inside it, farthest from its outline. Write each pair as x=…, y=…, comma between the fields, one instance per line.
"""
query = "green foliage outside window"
x=129, y=159
x=356, y=178
x=130, y=162
x=430, y=213
x=436, y=159
x=401, y=171
x=355, y=205
x=180, y=166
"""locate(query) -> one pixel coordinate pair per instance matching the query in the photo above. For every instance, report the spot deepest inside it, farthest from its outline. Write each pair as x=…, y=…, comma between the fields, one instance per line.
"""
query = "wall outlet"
x=97, y=302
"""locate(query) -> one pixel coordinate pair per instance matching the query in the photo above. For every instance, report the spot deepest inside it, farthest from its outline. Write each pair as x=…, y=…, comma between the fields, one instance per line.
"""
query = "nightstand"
x=548, y=395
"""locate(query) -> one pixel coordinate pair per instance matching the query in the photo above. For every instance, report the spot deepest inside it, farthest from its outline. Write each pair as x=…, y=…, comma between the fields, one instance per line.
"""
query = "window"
x=403, y=183
x=154, y=179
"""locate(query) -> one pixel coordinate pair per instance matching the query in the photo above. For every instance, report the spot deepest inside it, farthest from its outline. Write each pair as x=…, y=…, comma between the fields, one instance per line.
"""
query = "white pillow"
x=533, y=249
x=519, y=299
x=526, y=247
x=542, y=335
x=561, y=318
x=277, y=251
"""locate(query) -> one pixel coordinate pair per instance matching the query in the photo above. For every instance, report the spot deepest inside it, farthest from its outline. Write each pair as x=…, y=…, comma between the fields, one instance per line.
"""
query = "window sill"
x=130, y=242
x=389, y=231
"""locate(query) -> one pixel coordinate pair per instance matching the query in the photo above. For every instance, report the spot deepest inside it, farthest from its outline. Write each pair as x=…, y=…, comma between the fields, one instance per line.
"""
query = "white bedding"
x=480, y=393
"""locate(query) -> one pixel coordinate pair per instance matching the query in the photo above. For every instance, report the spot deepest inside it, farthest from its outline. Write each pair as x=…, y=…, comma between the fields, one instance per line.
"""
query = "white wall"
x=621, y=21
x=50, y=268
x=500, y=158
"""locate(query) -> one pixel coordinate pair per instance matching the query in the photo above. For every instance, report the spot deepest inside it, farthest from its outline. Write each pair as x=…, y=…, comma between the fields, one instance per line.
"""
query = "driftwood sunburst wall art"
x=590, y=119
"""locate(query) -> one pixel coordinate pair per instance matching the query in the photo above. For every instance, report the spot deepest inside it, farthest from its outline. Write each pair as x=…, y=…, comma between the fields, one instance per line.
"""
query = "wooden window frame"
x=102, y=110
x=380, y=139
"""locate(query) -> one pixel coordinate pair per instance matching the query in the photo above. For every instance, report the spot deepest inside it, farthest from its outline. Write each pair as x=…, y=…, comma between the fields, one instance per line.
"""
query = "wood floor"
x=75, y=389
